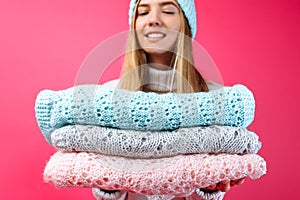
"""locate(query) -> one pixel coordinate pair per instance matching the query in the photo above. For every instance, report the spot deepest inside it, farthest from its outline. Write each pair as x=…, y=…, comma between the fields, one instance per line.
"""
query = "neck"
x=160, y=61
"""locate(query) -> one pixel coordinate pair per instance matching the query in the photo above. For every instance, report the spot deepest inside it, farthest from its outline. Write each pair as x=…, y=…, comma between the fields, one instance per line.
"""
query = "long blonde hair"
x=188, y=79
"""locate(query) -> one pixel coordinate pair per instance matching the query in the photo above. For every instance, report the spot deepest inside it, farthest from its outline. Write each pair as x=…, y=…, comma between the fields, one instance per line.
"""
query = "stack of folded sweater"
x=137, y=145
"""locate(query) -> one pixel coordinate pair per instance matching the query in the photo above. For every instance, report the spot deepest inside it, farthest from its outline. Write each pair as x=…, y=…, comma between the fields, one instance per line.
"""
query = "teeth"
x=155, y=35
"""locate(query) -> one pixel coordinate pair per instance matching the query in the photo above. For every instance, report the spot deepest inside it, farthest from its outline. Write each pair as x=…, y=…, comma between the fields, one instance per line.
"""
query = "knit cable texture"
x=178, y=176
x=155, y=144
x=100, y=105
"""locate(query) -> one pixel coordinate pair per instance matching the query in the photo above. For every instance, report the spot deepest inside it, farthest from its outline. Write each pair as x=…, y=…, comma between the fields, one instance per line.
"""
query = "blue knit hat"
x=188, y=8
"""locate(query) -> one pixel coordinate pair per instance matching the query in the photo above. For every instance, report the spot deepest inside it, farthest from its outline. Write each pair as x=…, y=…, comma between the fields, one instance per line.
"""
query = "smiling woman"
x=159, y=59
x=159, y=50
x=159, y=54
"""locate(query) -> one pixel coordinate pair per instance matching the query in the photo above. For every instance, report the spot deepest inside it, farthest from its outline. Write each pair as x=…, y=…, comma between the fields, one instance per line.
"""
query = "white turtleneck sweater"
x=160, y=80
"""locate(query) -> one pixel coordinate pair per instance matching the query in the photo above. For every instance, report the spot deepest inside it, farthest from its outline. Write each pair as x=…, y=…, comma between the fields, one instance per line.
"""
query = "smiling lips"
x=155, y=36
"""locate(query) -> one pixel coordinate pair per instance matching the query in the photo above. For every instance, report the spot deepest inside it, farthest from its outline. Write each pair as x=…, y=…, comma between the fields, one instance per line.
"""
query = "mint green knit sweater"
x=100, y=105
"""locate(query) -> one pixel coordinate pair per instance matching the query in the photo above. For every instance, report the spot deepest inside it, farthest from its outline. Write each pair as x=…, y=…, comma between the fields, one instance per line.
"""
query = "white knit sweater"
x=161, y=80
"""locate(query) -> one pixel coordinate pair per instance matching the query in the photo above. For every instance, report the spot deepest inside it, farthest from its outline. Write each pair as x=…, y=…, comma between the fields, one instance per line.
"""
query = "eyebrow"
x=167, y=3
x=161, y=4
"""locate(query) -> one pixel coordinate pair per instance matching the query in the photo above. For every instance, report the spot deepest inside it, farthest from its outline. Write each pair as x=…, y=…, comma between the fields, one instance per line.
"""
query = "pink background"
x=43, y=44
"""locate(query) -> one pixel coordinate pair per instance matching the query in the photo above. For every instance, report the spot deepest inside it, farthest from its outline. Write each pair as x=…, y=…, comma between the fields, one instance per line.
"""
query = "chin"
x=161, y=49
x=155, y=51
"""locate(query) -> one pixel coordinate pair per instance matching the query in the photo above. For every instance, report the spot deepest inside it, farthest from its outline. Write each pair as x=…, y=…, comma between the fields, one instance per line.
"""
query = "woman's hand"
x=224, y=186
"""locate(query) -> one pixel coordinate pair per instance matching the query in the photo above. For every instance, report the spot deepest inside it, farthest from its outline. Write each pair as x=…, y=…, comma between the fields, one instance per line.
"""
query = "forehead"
x=158, y=2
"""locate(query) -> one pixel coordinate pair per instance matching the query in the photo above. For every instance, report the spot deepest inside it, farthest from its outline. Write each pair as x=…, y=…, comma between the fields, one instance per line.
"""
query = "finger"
x=212, y=187
x=224, y=186
x=237, y=182
x=240, y=181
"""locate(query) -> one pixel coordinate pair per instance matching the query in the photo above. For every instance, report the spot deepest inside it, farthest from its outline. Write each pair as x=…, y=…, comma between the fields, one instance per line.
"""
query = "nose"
x=154, y=19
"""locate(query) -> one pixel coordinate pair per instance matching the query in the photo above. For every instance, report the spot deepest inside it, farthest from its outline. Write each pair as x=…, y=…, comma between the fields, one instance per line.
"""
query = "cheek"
x=138, y=31
x=174, y=24
x=138, y=28
x=177, y=25
x=139, y=23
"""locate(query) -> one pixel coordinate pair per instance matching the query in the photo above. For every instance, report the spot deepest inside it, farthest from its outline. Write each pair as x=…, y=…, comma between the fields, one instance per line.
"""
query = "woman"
x=160, y=45
x=159, y=55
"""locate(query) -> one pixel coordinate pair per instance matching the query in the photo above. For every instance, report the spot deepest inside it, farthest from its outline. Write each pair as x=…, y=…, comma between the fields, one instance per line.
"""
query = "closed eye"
x=168, y=12
x=142, y=13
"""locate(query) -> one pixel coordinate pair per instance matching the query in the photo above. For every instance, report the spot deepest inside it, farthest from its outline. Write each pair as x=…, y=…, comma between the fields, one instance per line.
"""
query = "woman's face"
x=157, y=25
